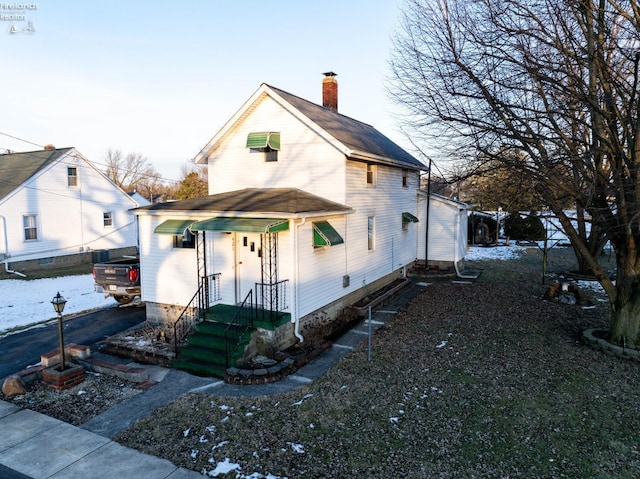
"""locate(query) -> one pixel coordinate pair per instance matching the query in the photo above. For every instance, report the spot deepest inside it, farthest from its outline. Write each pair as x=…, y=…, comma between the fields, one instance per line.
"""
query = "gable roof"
x=357, y=140
x=16, y=168
x=264, y=201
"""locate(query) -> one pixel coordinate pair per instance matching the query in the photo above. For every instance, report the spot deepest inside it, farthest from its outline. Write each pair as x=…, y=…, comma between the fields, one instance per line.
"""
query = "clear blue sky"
x=160, y=78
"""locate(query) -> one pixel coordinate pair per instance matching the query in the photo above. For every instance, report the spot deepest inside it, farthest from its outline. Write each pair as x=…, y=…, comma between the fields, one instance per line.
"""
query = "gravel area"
x=78, y=404
x=469, y=380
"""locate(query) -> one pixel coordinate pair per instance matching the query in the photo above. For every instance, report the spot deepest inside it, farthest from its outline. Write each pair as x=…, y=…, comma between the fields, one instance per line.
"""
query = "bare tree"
x=133, y=172
x=554, y=82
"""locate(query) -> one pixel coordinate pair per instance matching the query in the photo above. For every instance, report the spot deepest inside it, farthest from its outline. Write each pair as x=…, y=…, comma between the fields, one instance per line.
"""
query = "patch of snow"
x=25, y=302
x=224, y=467
x=441, y=345
x=299, y=448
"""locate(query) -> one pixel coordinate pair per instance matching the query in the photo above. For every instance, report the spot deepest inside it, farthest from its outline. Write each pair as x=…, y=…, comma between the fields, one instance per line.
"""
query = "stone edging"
x=282, y=369
x=591, y=337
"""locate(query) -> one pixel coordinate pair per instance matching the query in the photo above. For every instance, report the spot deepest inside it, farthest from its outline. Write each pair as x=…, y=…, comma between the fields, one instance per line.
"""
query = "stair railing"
x=243, y=317
x=208, y=291
x=272, y=299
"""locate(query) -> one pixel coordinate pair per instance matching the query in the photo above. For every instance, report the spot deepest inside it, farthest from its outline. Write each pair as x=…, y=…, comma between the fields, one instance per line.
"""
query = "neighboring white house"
x=55, y=205
x=309, y=211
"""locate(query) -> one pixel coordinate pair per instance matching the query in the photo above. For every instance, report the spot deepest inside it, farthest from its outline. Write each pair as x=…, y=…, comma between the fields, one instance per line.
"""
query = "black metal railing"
x=244, y=318
x=208, y=292
x=272, y=299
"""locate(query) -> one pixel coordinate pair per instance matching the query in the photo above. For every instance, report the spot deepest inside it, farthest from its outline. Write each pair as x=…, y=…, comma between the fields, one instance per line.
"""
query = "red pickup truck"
x=119, y=278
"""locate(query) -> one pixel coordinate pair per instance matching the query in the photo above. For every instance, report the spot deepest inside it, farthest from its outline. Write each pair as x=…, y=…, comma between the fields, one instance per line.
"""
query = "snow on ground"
x=25, y=302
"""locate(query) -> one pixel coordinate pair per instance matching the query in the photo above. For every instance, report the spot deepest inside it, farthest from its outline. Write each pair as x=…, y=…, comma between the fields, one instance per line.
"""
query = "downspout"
x=296, y=270
x=455, y=249
x=6, y=250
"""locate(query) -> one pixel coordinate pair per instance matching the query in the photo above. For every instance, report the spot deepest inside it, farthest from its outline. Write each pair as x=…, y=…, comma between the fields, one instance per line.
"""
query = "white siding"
x=69, y=218
x=305, y=160
x=447, y=230
x=169, y=275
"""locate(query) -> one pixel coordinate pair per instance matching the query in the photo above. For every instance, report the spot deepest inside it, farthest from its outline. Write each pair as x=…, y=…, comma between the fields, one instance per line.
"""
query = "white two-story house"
x=308, y=211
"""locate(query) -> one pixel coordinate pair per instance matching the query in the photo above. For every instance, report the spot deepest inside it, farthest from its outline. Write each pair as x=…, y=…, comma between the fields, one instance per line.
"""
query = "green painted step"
x=200, y=368
x=216, y=342
x=214, y=356
x=214, y=328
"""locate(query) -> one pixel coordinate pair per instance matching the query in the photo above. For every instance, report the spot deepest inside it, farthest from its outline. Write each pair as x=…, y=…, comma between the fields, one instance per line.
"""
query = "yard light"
x=58, y=305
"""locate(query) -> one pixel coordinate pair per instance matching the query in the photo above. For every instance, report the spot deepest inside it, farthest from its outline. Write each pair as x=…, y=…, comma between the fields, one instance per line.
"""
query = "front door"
x=248, y=264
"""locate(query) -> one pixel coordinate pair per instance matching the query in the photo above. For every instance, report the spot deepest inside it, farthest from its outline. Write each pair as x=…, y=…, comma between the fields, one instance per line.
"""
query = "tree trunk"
x=625, y=310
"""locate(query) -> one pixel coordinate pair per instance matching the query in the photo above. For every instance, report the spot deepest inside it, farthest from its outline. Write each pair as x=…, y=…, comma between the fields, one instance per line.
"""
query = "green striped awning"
x=243, y=225
x=325, y=235
x=409, y=218
x=264, y=139
x=173, y=227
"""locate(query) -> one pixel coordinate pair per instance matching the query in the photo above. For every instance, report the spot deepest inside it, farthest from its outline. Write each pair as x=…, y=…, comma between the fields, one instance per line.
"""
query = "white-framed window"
x=187, y=240
x=405, y=178
x=107, y=218
x=265, y=142
x=371, y=174
x=371, y=226
x=72, y=176
x=30, y=226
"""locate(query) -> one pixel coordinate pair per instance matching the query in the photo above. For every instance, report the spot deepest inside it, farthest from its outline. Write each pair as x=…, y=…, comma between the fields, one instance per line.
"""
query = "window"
x=370, y=232
x=406, y=219
x=267, y=142
x=187, y=240
x=107, y=218
x=405, y=178
x=72, y=176
x=371, y=174
x=30, y=227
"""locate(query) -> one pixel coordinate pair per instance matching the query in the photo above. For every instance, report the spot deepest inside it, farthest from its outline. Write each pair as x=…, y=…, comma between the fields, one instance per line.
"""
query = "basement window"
x=265, y=142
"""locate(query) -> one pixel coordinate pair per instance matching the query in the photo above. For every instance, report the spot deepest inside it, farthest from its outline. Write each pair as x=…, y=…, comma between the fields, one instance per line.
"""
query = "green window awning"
x=325, y=235
x=409, y=218
x=242, y=225
x=263, y=140
x=173, y=227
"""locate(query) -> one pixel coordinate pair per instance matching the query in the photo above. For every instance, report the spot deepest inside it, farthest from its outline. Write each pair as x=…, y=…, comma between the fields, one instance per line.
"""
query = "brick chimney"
x=330, y=91
x=49, y=147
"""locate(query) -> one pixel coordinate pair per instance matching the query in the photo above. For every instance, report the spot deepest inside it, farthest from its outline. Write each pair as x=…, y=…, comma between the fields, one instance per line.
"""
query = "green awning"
x=173, y=227
x=409, y=218
x=264, y=139
x=242, y=225
x=325, y=235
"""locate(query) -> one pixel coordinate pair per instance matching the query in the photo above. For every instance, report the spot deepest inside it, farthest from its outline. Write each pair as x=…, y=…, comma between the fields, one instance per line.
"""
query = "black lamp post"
x=58, y=305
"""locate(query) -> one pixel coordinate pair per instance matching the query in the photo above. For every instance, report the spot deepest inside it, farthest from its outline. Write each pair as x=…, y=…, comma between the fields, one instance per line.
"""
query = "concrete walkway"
x=36, y=446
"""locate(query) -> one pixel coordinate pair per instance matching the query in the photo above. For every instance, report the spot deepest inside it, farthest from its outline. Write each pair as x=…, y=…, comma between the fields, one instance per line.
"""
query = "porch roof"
x=243, y=225
x=256, y=202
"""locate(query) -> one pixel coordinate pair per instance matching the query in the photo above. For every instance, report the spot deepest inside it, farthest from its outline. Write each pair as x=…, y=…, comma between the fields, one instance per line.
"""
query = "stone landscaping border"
x=595, y=338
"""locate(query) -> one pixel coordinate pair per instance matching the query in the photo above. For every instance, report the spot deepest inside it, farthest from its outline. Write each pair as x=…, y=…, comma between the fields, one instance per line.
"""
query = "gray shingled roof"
x=16, y=168
x=286, y=201
x=352, y=133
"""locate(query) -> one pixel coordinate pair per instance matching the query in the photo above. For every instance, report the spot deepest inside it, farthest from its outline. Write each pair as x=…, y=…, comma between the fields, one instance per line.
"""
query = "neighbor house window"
x=370, y=232
x=30, y=227
x=187, y=240
x=72, y=176
x=371, y=174
x=405, y=178
x=107, y=218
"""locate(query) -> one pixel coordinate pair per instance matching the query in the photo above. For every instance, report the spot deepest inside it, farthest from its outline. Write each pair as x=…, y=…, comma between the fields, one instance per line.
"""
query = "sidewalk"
x=36, y=446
